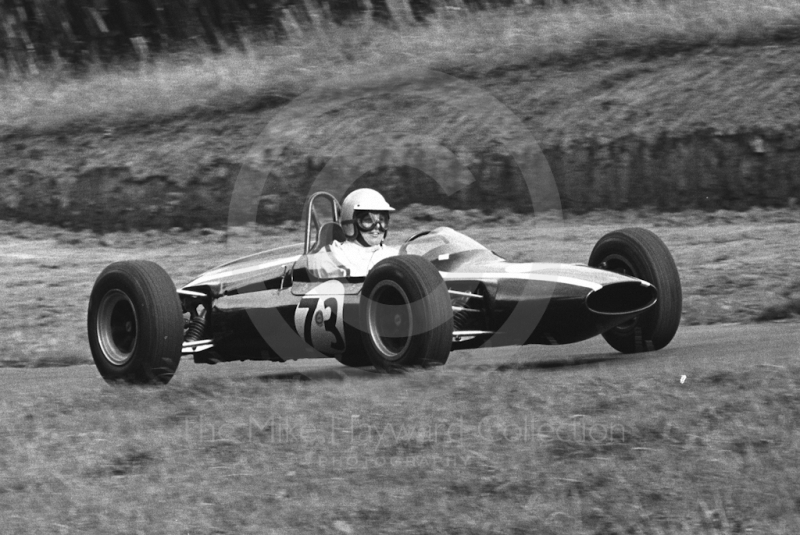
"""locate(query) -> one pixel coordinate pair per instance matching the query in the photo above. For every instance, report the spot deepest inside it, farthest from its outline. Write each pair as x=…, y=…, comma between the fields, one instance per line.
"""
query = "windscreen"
x=441, y=241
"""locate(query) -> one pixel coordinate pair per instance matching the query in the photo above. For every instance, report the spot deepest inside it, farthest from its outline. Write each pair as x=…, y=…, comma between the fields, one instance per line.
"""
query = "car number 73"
x=318, y=318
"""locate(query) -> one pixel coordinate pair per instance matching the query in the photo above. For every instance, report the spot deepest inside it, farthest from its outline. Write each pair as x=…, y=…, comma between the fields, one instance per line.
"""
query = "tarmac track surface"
x=695, y=350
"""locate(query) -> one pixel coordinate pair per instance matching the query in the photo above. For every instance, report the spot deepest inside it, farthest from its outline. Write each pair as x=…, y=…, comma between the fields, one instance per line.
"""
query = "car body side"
x=270, y=306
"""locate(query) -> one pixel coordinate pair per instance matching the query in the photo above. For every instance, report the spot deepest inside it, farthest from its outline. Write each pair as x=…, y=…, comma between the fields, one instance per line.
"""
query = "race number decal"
x=318, y=318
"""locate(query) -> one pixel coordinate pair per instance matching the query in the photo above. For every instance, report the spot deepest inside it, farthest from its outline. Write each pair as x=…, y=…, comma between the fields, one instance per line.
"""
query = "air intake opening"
x=622, y=298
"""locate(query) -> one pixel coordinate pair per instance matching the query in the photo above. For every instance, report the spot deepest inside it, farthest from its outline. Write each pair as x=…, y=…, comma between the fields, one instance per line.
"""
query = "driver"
x=365, y=221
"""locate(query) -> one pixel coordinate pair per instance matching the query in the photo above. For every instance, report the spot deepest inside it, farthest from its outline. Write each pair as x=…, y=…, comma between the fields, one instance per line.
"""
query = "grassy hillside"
x=671, y=104
x=471, y=44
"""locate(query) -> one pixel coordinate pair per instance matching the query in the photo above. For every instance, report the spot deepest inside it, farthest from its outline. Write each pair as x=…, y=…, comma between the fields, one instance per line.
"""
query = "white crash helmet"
x=361, y=199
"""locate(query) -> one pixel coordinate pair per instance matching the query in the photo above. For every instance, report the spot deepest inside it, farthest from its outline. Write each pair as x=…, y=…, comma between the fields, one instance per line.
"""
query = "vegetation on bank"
x=453, y=40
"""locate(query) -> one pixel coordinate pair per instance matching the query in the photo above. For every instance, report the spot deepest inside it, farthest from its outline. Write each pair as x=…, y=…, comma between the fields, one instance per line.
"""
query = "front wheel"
x=405, y=314
x=639, y=253
x=135, y=323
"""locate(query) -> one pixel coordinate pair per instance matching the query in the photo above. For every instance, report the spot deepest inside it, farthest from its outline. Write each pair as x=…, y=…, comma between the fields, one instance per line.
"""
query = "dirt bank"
x=714, y=128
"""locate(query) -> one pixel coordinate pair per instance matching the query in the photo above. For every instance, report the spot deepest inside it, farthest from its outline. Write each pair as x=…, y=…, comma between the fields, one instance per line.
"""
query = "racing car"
x=443, y=292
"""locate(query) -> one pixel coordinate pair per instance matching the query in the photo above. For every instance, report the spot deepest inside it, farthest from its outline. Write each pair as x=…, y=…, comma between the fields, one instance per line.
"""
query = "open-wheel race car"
x=444, y=291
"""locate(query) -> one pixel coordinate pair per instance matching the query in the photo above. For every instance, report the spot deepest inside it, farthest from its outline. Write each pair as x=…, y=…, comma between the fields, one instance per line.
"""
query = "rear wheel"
x=405, y=314
x=135, y=323
x=640, y=253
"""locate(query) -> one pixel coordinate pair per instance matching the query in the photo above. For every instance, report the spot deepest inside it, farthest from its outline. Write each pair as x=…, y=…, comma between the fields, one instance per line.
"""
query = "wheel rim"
x=389, y=317
x=116, y=327
x=620, y=264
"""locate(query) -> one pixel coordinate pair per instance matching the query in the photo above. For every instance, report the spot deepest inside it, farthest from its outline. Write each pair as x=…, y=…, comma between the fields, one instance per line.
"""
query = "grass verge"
x=443, y=451
x=454, y=42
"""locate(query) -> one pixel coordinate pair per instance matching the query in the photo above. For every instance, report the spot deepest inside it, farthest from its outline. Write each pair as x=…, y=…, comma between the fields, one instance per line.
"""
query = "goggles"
x=367, y=221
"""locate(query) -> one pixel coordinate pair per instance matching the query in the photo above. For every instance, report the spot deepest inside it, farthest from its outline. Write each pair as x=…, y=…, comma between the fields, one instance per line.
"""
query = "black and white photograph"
x=400, y=267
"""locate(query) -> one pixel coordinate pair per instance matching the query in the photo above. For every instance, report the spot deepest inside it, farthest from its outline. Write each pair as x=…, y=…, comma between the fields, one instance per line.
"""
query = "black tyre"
x=405, y=314
x=640, y=253
x=135, y=323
